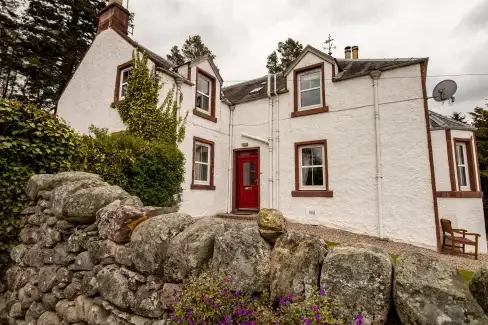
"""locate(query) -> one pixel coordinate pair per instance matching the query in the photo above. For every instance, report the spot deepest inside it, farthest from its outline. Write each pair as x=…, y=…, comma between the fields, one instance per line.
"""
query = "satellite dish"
x=444, y=90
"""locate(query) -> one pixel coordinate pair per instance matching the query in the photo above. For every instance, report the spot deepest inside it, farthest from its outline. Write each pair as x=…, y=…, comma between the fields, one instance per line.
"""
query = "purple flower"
x=252, y=323
x=321, y=292
x=307, y=321
x=238, y=294
x=317, y=316
x=315, y=308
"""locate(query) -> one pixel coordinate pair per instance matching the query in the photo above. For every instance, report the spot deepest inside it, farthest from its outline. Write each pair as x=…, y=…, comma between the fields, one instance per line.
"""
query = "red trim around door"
x=234, y=175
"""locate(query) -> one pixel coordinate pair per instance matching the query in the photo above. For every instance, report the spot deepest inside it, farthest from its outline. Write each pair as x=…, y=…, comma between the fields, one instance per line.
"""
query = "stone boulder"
x=150, y=240
x=49, y=318
x=17, y=277
x=359, y=278
x=81, y=206
x=153, y=299
x=114, y=286
x=116, y=221
x=43, y=182
x=296, y=260
x=271, y=224
x=192, y=249
x=429, y=292
x=61, y=193
x=47, y=278
x=244, y=257
x=479, y=288
x=18, y=252
x=35, y=255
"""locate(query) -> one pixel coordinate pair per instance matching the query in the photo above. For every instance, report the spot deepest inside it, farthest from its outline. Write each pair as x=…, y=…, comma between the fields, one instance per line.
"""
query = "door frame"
x=234, y=175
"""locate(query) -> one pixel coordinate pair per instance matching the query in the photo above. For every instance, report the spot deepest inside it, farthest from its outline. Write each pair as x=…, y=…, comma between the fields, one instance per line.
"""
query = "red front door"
x=247, y=182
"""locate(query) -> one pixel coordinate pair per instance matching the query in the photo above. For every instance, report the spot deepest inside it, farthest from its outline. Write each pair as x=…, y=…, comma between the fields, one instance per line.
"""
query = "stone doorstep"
x=251, y=217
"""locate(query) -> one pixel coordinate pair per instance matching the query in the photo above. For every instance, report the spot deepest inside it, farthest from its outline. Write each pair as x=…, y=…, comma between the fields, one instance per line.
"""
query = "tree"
x=480, y=122
x=175, y=56
x=192, y=49
x=457, y=116
x=139, y=109
x=55, y=36
x=288, y=51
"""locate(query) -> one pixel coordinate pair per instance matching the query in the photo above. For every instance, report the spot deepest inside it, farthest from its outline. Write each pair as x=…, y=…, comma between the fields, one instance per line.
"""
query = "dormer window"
x=205, y=95
x=309, y=90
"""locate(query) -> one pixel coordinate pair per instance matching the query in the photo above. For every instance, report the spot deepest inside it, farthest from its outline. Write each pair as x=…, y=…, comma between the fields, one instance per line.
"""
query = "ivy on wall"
x=139, y=109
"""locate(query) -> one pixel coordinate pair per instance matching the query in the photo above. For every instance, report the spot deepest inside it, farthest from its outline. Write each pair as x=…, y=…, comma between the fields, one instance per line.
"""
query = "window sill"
x=205, y=116
x=202, y=187
x=312, y=111
x=459, y=194
x=312, y=193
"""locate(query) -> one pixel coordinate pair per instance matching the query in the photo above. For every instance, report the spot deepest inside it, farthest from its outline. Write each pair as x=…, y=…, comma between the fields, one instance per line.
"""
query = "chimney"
x=347, y=51
x=355, y=52
x=114, y=15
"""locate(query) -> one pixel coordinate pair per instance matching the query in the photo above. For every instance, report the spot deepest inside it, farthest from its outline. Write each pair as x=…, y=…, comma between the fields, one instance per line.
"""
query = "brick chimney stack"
x=355, y=52
x=347, y=52
x=114, y=15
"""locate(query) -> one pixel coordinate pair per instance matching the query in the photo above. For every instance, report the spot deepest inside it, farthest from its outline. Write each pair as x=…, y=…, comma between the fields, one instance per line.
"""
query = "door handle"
x=256, y=182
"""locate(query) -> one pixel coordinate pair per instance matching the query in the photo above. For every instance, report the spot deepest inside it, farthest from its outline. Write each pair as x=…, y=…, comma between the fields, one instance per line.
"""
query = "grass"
x=394, y=257
x=331, y=243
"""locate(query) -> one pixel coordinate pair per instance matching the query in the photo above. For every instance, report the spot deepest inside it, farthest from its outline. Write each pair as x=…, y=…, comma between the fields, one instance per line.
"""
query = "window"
x=312, y=167
x=205, y=96
x=310, y=89
x=124, y=78
x=123, y=73
x=463, y=168
x=309, y=93
x=203, y=93
x=203, y=162
x=311, y=175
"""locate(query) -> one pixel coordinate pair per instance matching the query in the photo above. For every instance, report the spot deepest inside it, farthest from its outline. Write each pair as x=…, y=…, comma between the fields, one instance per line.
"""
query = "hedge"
x=32, y=141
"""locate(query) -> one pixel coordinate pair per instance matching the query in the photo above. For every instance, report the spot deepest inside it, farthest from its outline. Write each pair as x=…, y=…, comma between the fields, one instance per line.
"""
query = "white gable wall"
x=441, y=163
x=87, y=98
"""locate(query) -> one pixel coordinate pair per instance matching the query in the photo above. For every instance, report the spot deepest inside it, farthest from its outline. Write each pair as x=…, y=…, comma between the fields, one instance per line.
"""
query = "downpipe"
x=379, y=176
x=270, y=145
x=277, y=145
x=230, y=162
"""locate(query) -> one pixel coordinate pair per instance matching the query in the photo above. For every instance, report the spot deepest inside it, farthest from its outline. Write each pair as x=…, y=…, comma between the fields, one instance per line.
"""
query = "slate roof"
x=348, y=68
x=241, y=93
x=353, y=68
x=439, y=121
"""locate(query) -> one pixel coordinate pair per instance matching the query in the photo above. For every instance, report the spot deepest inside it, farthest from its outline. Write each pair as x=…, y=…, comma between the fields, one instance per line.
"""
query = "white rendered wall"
x=349, y=130
x=87, y=100
x=441, y=163
x=204, y=202
x=465, y=213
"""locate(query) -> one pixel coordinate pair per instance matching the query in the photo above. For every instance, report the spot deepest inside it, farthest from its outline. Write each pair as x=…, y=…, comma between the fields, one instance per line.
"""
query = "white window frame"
x=300, y=91
x=122, y=83
x=300, y=157
x=209, y=112
x=209, y=147
x=465, y=166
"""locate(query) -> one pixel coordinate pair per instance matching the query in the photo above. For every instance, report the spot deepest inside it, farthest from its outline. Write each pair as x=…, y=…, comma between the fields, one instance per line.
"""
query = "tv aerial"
x=445, y=90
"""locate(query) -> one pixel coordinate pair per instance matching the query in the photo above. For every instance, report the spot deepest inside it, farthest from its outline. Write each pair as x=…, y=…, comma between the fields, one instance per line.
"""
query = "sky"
x=452, y=33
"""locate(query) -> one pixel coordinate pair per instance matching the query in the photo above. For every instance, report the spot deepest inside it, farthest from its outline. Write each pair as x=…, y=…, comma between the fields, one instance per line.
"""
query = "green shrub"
x=207, y=299
x=151, y=170
x=31, y=141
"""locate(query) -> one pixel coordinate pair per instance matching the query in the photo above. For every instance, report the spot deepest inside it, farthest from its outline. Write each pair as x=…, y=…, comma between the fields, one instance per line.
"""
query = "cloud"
x=477, y=18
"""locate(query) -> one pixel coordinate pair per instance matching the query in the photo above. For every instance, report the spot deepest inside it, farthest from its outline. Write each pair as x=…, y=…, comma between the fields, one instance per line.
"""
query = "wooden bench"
x=458, y=239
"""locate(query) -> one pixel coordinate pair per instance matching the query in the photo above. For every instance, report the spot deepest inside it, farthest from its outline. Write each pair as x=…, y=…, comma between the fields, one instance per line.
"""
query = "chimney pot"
x=355, y=52
x=347, y=52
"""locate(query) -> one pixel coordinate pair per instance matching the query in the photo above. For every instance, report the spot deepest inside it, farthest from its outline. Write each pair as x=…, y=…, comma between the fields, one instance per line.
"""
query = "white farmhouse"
x=346, y=143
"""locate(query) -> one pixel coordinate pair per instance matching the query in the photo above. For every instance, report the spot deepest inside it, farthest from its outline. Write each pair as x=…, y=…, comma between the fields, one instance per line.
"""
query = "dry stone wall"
x=90, y=253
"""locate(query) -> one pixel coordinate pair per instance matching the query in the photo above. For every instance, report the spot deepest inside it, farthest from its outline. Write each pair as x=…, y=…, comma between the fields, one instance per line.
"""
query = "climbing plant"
x=139, y=109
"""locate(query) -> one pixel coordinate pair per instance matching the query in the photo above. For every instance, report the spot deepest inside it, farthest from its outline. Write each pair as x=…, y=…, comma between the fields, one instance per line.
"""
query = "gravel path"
x=345, y=237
